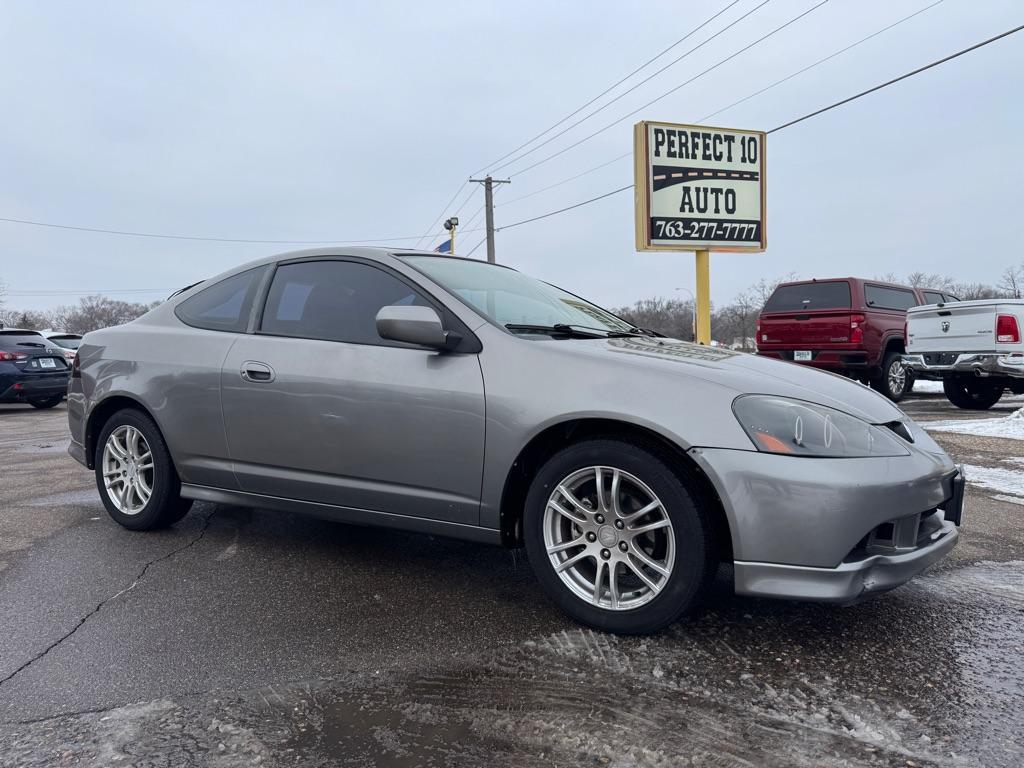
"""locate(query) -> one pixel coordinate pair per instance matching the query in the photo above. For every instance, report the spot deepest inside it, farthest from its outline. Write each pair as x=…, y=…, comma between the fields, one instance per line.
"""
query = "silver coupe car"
x=459, y=398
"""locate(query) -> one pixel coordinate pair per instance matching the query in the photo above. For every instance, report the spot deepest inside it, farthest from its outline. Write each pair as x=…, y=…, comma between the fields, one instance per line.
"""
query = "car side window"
x=883, y=297
x=224, y=306
x=931, y=297
x=333, y=301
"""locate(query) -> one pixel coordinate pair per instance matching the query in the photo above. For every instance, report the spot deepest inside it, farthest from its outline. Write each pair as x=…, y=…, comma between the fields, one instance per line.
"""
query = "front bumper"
x=977, y=363
x=834, y=529
x=848, y=581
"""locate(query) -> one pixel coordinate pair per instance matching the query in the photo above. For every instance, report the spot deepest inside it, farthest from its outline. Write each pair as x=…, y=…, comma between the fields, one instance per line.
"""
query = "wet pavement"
x=242, y=637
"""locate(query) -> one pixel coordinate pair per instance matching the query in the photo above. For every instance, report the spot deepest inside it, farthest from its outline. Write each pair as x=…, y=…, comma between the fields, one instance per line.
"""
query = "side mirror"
x=415, y=325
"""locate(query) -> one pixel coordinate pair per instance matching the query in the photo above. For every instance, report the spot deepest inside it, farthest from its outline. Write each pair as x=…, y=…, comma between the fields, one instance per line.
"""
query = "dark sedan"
x=32, y=369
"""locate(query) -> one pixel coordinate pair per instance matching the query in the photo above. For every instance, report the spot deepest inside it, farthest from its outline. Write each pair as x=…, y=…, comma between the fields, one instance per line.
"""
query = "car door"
x=318, y=407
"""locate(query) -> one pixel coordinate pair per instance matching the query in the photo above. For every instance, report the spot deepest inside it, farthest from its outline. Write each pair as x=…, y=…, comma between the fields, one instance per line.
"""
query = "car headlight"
x=798, y=428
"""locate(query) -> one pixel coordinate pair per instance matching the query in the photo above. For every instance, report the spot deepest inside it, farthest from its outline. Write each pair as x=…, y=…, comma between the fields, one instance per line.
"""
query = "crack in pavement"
x=135, y=582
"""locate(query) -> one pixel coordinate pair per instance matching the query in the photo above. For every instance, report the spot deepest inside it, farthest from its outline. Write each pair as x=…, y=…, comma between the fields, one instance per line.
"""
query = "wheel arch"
x=554, y=437
x=101, y=413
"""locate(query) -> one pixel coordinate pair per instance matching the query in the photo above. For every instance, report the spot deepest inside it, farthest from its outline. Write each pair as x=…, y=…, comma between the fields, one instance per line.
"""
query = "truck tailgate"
x=804, y=330
x=965, y=326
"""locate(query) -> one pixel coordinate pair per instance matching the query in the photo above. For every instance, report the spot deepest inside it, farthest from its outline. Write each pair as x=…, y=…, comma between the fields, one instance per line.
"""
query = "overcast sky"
x=353, y=121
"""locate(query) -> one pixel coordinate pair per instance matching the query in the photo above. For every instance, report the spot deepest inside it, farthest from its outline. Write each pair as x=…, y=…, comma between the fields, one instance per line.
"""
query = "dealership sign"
x=698, y=188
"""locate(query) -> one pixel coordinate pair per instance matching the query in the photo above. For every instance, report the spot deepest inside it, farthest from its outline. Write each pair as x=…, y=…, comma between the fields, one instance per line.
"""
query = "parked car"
x=455, y=397
x=845, y=325
x=974, y=346
x=68, y=342
x=32, y=370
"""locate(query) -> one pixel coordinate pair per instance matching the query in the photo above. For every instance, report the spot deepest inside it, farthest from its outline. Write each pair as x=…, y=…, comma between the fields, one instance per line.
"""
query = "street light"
x=693, y=305
x=450, y=224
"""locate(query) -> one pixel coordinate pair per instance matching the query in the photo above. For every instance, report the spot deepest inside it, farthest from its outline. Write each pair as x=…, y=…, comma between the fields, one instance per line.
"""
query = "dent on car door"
x=318, y=407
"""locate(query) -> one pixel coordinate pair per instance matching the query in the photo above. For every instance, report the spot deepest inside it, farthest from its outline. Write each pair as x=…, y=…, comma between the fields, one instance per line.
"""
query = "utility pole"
x=489, y=183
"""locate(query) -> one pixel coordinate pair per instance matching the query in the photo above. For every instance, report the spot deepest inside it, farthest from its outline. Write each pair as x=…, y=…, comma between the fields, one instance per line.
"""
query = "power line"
x=917, y=71
x=671, y=90
x=568, y=208
x=634, y=87
x=809, y=115
x=611, y=87
x=736, y=103
x=87, y=292
x=821, y=61
x=203, y=239
x=437, y=219
x=571, y=178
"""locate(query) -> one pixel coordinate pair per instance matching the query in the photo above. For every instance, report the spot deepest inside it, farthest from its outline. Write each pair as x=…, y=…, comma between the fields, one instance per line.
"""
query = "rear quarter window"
x=806, y=296
x=883, y=297
x=930, y=297
x=223, y=306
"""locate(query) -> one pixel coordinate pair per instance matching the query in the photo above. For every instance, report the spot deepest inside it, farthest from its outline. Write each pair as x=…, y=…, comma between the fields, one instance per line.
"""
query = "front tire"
x=894, y=381
x=45, y=402
x=616, y=538
x=135, y=475
x=972, y=393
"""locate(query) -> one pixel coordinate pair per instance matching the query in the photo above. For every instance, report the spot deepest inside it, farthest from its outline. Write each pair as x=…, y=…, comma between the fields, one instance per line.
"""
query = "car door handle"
x=258, y=373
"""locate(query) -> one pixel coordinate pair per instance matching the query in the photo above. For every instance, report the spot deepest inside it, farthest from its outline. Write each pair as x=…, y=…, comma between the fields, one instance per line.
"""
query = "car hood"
x=743, y=373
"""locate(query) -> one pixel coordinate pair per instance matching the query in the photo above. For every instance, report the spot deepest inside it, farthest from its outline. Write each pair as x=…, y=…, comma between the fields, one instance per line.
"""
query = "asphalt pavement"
x=245, y=637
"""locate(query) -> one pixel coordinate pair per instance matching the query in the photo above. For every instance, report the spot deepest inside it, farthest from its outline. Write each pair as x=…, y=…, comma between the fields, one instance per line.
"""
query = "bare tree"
x=672, y=317
x=1012, y=282
x=95, y=312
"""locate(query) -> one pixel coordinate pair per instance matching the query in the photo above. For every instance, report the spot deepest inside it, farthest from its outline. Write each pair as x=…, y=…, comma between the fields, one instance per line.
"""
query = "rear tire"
x=45, y=402
x=646, y=570
x=972, y=393
x=894, y=380
x=135, y=474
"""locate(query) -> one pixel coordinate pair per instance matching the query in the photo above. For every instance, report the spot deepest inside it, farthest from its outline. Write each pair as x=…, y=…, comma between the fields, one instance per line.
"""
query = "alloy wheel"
x=609, y=538
x=128, y=469
x=897, y=377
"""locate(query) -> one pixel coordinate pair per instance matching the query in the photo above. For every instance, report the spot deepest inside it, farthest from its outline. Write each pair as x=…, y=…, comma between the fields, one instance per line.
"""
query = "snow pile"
x=923, y=387
x=1004, y=481
x=1011, y=427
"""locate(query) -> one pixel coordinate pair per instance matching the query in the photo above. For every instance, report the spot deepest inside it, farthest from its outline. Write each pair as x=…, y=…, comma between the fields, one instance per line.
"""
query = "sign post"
x=699, y=189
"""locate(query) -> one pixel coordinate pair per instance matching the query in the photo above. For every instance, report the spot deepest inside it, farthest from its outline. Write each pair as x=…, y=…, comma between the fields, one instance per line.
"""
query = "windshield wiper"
x=577, y=332
x=558, y=329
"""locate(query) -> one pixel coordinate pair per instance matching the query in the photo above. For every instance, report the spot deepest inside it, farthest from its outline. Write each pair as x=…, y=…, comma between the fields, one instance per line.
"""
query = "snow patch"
x=1008, y=482
x=923, y=387
x=1010, y=427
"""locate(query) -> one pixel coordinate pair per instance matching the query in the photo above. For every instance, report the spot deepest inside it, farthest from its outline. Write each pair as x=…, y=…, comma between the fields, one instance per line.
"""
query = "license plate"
x=47, y=362
x=802, y=354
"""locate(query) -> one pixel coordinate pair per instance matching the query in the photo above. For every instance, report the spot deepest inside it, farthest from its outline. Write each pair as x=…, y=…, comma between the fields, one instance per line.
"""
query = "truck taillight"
x=856, y=329
x=1007, y=329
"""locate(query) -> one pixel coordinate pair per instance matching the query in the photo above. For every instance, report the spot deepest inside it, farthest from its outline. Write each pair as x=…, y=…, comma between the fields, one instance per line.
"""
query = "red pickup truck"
x=847, y=325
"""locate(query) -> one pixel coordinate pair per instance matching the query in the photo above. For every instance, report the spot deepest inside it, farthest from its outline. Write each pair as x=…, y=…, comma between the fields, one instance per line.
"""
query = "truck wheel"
x=971, y=393
x=894, y=381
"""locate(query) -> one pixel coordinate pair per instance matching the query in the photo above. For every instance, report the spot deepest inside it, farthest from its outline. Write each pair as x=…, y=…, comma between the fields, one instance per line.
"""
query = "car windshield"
x=511, y=298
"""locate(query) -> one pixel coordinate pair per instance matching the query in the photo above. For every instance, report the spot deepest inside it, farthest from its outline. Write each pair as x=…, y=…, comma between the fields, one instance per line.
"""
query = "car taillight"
x=76, y=368
x=1007, y=329
x=9, y=356
x=757, y=334
x=856, y=329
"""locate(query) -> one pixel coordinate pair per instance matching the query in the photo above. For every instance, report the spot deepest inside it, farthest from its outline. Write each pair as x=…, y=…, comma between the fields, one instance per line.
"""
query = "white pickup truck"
x=975, y=347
